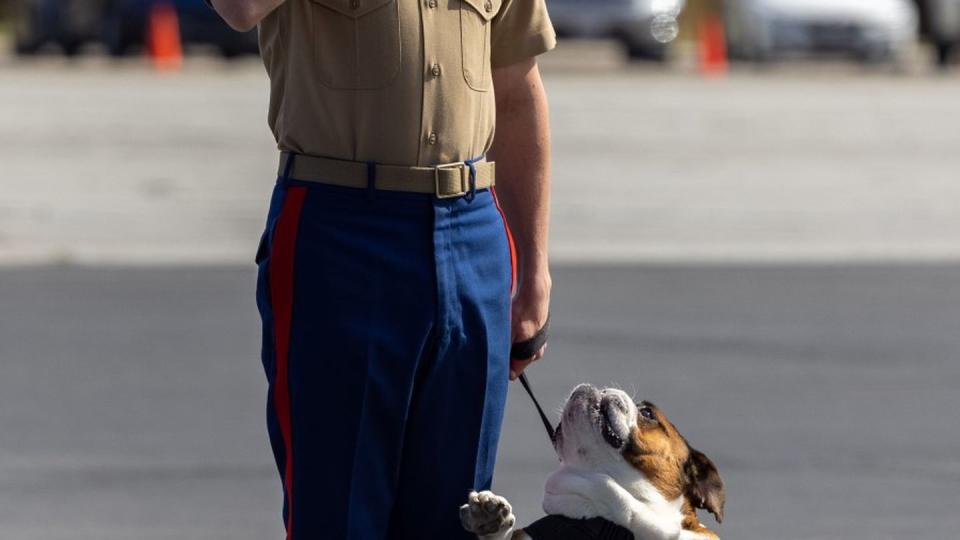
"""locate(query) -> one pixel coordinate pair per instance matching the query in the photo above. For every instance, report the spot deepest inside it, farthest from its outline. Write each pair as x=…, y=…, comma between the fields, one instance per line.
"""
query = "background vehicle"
x=870, y=30
x=940, y=23
x=626, y=20
x=67, y=23
x=125, y=24
x=119, y=24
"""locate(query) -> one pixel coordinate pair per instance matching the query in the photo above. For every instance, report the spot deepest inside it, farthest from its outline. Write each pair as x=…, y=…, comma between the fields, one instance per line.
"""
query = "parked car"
x=940, y=23
x=870, y=30
x=119, y=24
x=125, y=27
x=64, y=23
x=630, y=21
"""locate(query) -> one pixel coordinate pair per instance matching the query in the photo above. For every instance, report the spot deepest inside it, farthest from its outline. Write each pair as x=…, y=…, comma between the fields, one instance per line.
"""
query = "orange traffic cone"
x=163, y=37
x=713, y=47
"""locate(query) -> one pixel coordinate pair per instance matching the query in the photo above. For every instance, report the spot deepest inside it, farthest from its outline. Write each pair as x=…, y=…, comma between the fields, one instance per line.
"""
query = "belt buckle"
x=464, y=180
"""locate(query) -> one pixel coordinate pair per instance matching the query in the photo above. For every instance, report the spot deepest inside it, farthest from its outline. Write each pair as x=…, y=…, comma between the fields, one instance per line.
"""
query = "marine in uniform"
x=390, y=285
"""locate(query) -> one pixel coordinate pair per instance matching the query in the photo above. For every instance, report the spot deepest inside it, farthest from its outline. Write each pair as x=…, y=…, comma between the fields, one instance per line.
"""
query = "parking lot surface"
x=131, y=400
x=773, y=257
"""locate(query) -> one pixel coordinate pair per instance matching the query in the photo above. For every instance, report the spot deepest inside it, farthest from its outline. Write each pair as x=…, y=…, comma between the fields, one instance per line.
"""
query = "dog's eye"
x=647, y=413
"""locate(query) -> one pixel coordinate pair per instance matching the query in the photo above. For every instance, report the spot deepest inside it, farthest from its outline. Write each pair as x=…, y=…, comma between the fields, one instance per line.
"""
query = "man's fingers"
x=518, y=366
x=529, y=347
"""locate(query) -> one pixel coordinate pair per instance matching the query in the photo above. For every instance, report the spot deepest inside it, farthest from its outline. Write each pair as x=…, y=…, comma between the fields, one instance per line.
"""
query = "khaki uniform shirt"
x=398, y=82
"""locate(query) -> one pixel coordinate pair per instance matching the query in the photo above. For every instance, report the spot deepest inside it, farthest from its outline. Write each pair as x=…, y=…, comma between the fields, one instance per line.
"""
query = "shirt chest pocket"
x=357, y=42
x=476, y=18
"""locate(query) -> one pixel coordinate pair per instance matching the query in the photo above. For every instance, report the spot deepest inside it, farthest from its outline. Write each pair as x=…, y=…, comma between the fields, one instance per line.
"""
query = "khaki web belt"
x=444, y=181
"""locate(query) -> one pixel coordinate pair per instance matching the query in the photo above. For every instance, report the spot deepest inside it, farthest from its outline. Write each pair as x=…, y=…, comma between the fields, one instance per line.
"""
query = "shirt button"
x=432, y=139
x=435, y=70
x=432, y=4
x=354, y=4
x=488, y=6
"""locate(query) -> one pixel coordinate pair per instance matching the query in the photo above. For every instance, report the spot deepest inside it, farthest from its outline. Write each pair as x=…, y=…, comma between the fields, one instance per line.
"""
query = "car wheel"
x=875, y=56
x=239, y=45
x=70, y=46
x=27, y=44
x=763, y=56
x=944, y=53
x=229, y=52
x=119, y=44
x=651, y=54
x=639, y=51
x=26, y=48
x=118, y=48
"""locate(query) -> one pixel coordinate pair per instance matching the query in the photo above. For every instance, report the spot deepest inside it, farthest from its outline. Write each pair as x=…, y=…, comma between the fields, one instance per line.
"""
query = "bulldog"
x=626, y=472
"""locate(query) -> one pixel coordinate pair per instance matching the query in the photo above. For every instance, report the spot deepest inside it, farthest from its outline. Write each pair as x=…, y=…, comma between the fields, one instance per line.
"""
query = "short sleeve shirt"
x=400, y=82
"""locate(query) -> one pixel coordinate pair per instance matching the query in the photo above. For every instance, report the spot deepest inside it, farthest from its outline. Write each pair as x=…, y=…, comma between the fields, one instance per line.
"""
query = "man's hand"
x=522, y=152
x=530, y=310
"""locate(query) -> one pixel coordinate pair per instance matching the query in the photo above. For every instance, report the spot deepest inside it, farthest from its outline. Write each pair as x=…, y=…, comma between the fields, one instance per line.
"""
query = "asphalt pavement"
x=131, y=399
x=772, y=256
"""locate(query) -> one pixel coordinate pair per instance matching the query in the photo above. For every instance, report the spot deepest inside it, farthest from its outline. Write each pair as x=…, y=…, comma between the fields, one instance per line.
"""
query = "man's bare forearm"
x=244, y=15
x=521, y=149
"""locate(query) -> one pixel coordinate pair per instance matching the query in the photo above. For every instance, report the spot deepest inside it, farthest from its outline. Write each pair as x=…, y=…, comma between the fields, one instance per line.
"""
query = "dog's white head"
x=604, y=431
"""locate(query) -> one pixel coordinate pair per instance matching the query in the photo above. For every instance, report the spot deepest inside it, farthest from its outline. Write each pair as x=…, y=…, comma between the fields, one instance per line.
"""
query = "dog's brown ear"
x=704, y=485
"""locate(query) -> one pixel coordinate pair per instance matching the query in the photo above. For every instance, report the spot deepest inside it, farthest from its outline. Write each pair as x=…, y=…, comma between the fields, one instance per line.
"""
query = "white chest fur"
x=642, y=510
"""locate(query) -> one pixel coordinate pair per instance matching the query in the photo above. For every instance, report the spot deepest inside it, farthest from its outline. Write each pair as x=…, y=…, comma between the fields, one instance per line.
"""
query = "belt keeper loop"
x=371, y=181
x=471, y=163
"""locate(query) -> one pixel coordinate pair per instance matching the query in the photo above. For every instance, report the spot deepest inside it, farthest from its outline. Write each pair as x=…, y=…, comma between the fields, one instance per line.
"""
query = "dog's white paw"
x=486, y=514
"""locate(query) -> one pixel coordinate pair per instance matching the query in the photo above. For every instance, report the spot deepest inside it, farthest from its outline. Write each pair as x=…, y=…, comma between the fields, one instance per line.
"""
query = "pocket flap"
x=487, y=9
x=354, y=8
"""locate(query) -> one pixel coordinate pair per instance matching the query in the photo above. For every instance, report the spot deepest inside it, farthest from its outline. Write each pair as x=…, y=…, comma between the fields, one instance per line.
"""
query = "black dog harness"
x=564, y=528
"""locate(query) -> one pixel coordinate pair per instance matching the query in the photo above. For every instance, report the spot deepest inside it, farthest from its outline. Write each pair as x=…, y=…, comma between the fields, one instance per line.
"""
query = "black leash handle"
x=546, y=422
x=523, y=350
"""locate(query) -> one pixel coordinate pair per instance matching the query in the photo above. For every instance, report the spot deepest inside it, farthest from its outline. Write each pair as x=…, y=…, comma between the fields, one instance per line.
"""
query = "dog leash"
x=546, y=422
x=526, y=349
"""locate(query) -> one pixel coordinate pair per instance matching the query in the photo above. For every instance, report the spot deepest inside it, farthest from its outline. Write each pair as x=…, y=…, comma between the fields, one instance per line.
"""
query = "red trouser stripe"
x=513, y=247
x=281, y=300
